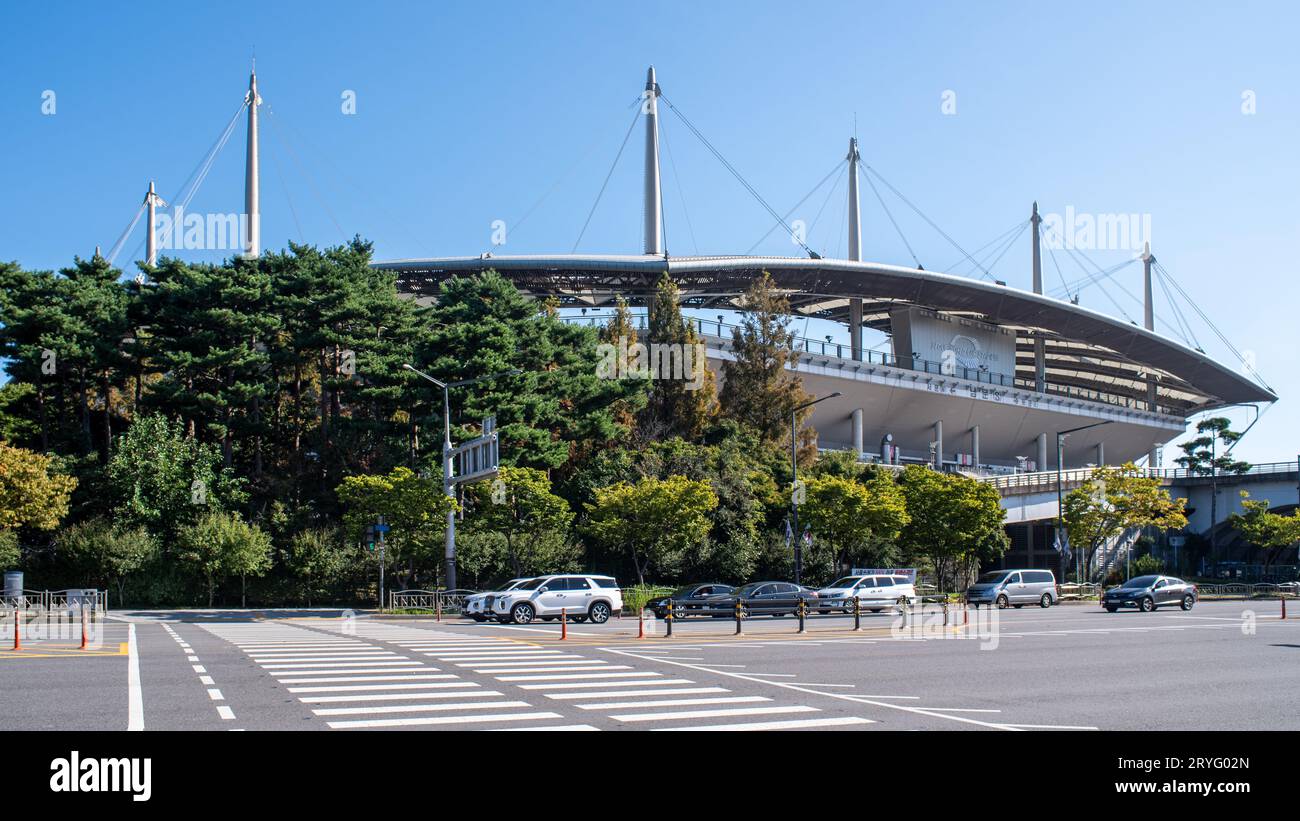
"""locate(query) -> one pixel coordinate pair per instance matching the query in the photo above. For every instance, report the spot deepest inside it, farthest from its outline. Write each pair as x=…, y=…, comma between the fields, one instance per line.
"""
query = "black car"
x=1146, y=593
x=766, y=599
x=685, y=599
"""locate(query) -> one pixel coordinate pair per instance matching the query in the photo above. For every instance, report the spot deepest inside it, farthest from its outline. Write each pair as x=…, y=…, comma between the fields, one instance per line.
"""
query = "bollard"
x=1284, y=605
x=739, y=613
x=668, y=621
x=803, y=615
x=965, y=614
x=564, y=623
x=83, y=628
x=857, y=613
x=945, y=612
x=640, y=623
x=437, y=607
x=18, y=641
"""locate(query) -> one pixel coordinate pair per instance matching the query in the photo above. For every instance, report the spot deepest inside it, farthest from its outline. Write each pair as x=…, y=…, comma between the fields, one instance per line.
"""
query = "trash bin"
x=13, y=584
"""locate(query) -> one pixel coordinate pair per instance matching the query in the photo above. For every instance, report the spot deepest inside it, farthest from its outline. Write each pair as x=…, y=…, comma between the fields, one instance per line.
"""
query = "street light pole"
x=1060, y=502
x=448, y=489
x=794, y=485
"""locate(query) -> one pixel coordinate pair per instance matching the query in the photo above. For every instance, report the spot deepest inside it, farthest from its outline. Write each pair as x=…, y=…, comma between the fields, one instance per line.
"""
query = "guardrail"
x=1047, y=478
x=451, y=602
x=739, y=610
x=1249, y=591
x=49, y=601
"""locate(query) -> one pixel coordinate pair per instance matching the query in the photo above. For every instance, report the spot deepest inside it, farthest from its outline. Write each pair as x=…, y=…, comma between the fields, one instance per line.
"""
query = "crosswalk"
x=628, y=696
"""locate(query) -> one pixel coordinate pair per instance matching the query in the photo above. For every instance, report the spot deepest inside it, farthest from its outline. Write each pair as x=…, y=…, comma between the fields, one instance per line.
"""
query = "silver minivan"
x=1014, y=588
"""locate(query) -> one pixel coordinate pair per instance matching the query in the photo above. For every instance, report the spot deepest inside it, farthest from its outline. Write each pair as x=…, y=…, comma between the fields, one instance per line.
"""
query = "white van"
x=1014, y=588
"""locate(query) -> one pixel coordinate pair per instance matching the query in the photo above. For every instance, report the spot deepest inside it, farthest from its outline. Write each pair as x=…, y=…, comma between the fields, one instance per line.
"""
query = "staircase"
x=1113, y=553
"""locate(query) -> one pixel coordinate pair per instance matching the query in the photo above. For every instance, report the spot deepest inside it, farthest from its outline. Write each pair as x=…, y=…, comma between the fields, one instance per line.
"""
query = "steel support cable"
x=1185, y=330
x=1206, y=319
x=567, y=173
x=739, y=178
x=892, y=221
x=830, y=194
x=929, y=221
x=311, y=181
x=999, y=238
x=1007, y=247
x=1065, y=289
x=1005, y=243
x=681, y=194
x=284, y=188
x=605, y=184
x=795, y=207
x=1100, y=277
x=206, y=162
x=117, y=246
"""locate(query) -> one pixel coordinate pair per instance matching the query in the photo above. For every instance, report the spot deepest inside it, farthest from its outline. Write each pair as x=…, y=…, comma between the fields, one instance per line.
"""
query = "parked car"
x=765, y=599
x=688, y=598
x=873, y=593
x=476, y=605
x=1146, y=593
x=580, y=596
x=1014, y=588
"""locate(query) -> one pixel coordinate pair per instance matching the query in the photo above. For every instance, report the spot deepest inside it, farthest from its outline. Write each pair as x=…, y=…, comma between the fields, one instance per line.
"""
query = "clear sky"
x=470, y=113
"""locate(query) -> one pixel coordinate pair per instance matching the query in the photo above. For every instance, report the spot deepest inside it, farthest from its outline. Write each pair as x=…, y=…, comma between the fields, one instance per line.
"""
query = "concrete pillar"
x=938, y=444
x=857, y=431
x=855, y=329
x=1153, y=458
x=1041, y=459
x=1040, y=346
x=975, y=445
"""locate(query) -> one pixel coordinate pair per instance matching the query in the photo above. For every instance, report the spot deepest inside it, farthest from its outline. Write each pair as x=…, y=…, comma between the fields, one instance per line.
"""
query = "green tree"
x=414, y=507
x=222, y=544
x=107, y=553
x=657, y=521
x=1113, y=500
x=677, y=406
x=33, y=493
x=1210, y=454
x=161, y=480
x=318, y=558
x=854, y=520
x=1270, y=532
x=760, y=389
x=956, y=522
x=10, y=554
x=534, y=521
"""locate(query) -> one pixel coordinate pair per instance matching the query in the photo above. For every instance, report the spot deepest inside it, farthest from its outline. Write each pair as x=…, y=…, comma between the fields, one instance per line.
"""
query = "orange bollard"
x=640, y=623
x=1284, y=606
x=437, y=607
x=564, y=623
x=18, y=640
x=83, y=628
x=965, y=616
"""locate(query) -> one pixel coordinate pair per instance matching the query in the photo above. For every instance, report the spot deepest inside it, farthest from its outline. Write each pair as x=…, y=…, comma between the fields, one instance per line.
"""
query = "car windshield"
x=989, y=578
x=683, y=592
x=1141, y=581
x=749, y=588
x=531, y=584
x=515, y=583
x=847, y=581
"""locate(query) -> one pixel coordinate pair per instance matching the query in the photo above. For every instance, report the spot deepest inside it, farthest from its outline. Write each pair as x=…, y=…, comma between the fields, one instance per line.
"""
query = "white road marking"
x=349, y=671
x=205, y=680
x=568, y=685
x=561, y=728
x=419, y=722
x=722, y=713
x=796, y=724
x=135, y=694
x=493, y=671
x=398, y=696
x=225, y=712
x=576, y=676
x=199, y=668
x=628, y=693
x=1048, y=727
x=671, y=702
x=341, y=679
x=358, y=688
x=215, y=694
x=416, y=708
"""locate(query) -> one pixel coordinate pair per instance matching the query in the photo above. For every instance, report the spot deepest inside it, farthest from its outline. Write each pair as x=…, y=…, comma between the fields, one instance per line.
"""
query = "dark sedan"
x=1146, y=593
x=688, y=598
x=766, y=599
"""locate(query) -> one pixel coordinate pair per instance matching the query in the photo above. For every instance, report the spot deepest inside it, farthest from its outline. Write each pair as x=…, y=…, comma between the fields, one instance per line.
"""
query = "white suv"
x=476, y=605
x=578, y=596
x=873, y=593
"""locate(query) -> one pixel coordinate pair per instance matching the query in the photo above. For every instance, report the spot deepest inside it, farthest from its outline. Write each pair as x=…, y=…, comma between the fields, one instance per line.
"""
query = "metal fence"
x=451, y=602
x=49, y=601
x=1249, y=591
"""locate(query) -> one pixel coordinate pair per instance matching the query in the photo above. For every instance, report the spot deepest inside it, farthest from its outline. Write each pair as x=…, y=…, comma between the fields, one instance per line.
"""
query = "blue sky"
x=470, y=113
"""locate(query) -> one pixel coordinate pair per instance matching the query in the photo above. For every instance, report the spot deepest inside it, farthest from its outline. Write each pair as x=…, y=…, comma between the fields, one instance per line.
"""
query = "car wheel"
x=599, y=613
x=1188, y=601
x=1045, y=601
x=1111, y=608
x=522, y=613
x=1002, y=602
x=1148, y=604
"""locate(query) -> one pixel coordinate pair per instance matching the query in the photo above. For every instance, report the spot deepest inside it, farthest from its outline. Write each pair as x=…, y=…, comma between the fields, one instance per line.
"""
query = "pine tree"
x=759, y=389
x=677, y=406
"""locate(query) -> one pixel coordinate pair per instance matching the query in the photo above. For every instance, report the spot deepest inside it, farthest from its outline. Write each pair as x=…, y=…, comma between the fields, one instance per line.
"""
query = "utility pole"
x=794, y=485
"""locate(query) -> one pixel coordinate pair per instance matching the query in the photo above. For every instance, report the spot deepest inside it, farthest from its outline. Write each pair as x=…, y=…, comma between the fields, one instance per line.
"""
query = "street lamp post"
x=1060, y=501
x=448, y=489
x=794, y=485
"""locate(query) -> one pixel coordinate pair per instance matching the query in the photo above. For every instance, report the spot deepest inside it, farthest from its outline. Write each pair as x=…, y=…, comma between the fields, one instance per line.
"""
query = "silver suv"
x=1014, y=588
x=578, y=596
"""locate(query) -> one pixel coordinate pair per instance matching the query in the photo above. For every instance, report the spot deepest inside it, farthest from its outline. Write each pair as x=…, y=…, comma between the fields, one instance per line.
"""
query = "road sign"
x=478, y=458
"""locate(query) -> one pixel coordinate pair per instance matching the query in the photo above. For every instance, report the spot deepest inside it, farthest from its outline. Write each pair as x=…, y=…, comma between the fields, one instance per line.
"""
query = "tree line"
x=224, y=433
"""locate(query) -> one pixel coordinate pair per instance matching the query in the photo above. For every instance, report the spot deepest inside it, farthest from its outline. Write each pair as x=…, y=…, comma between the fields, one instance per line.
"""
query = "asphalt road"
x=1224, y=665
